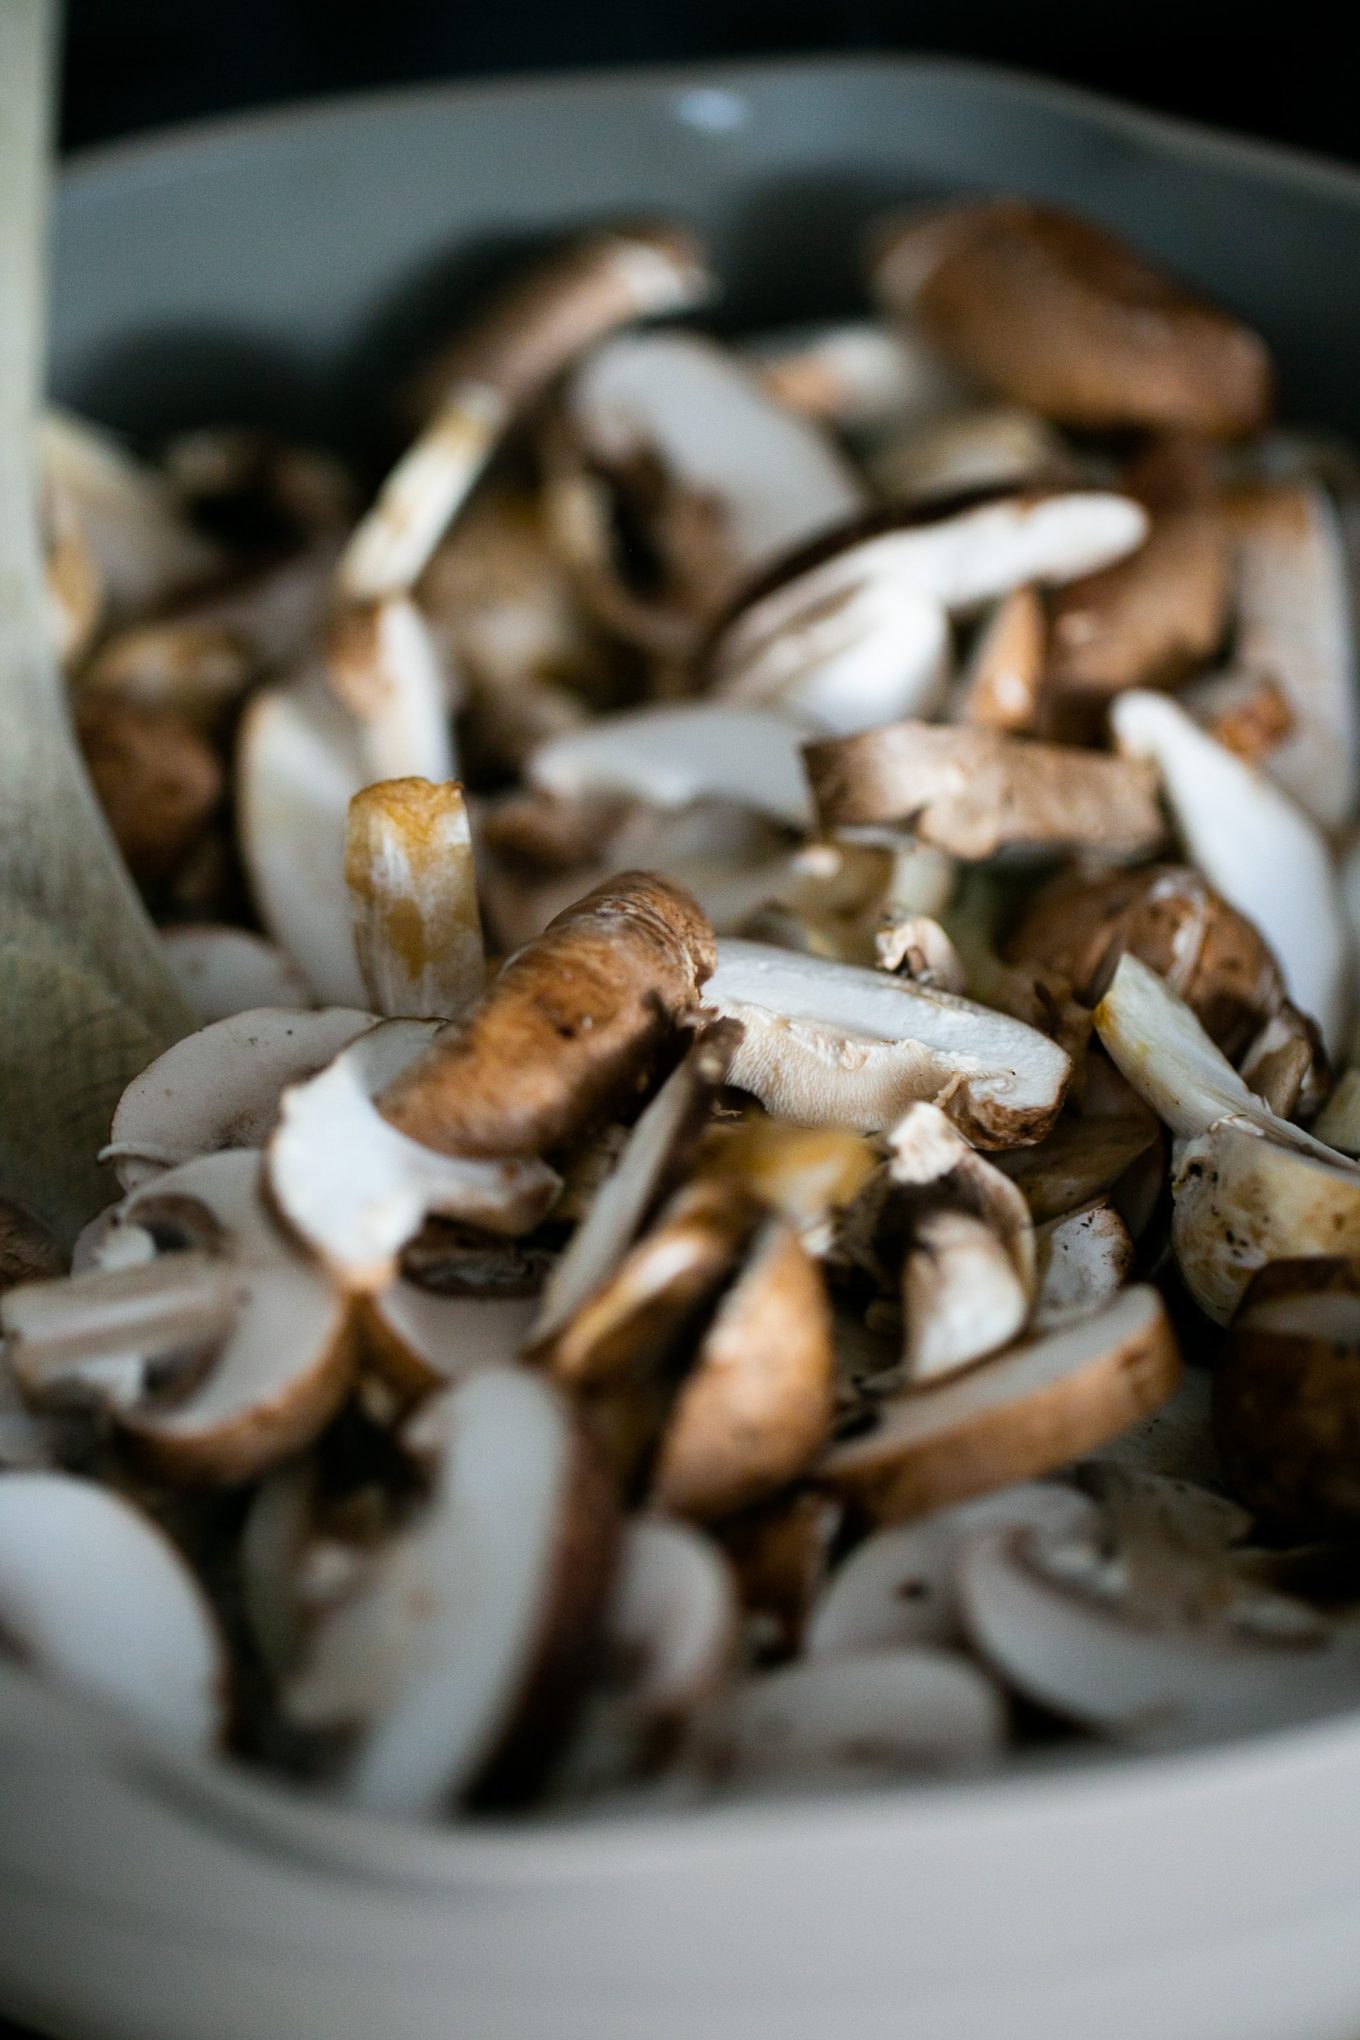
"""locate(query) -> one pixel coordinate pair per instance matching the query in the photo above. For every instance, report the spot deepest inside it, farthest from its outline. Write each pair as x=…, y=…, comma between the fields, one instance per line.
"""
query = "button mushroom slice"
x=355, y=1189
x=1338, y=1123
x=861, y=377
x=870, y=1718
x=832, y=1045
x=96, y=1599
x=1001, y=687
x=144, y=548
x=221, y=1087
x=498, y=366
x=998, y=446
x=420, y=1341
x=1242, y=1199
x=413, y=893
x=652, y=1160
x=458, y=1662
x=1036, y=1612
x=674, y=754
x=1174, y=921
x=1039, y=1405
x=977, y=791
x=1255, y=847
x=756, y=1406
x=1286, y=1391
x=1295, y=626
x=158, y=781
x=577, y=1015
x=1056, y=312
x=223, y=971
x=1176, y=1442
x=1085, y=1258
x=898, y=1587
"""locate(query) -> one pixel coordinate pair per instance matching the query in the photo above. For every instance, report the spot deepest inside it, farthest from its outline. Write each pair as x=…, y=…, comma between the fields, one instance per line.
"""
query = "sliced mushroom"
x=383, y=663
x=806, y=1174
x=1039, y=1405
x=1085, y=1258
x=898, y=1587
x=829, y=1044
x=413, y=892
x=986, y=447
x=221, y=1087
x=219, y=1361
x=1338, y=1123
x=505, y=360
x=781, y=1550
x=578, y=1015
x=145, y=550
x=159, y=782
x=1150, y=620
x=1295, y=627
x=1242, y=1199
x=673, y=755
x=224, y=971
x=94, y=1598
x=1055, y=312
x=457, y=1663
x=756, y=1406
x=977, y=791
x=1176, y=1442
x=1002, y=685
x=1083, y=1158
x=1255, y=847
x=870, y=1718
x=859, y=377
x=1247, y=715
x=1286, y=1064
x=421, y=1340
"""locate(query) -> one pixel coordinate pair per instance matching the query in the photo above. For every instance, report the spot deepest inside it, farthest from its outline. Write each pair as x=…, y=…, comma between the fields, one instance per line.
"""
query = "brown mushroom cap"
x=1147, y=621
x=158, y=781
x=1287, y=1397
x=572, y=1022
x=1171, y=918
x=1056, y=312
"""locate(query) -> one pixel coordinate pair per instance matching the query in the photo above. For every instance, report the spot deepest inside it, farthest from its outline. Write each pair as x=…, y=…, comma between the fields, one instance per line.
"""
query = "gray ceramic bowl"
x=283, y=266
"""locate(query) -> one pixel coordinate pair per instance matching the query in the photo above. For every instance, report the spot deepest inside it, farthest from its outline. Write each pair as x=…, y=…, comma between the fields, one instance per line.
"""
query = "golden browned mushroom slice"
x=899, y=1588
x=220, y=1088
x=413, y=894
x=1295, y=626
x=501, y=364
x=1002, y=684
x=1242, y=1199
x=1286, y=1392
x=144, y=548
x=96, y=1599
x=978, y=791
x=223, y=971
x=159, y=782
x=1056, y=312
x=1171, y=918
x=1085, y=1258
x=458, y=1661
x=672, y=755
x=756, y=1406
x=993, y=447
x=355, y=1190
x=829, y=1044
x=1255, y=847
x=1036, y=1407
x=218, y=1359
x=862, y=377
x=578, y=1016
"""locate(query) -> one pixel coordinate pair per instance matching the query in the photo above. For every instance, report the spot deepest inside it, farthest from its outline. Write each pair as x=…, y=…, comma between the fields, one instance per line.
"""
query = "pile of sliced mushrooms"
x=773, y=925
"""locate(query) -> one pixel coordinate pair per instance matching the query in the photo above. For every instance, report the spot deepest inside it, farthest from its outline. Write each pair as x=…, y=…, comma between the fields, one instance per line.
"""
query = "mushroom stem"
x=178, y=1301
x=413, y=893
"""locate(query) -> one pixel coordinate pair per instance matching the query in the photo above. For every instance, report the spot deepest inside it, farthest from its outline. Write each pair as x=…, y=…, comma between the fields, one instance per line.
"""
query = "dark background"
x=138, y=63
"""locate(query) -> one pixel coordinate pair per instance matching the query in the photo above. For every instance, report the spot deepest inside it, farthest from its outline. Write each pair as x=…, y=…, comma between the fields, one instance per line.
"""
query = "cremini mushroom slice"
x=651, y=1162
x=1338, y=1123
x=756, y=1406
x=145, y=550
x=1255, y=847
x=457, y=1661
x=220, y=1088
x=1085, y=1258
x=1286, y=1404
x=413, y=892
x=1172, y=920
x=721, y=478
x=917, y=947
x=383, y=663
x=806, y=1173
x=829, y=1044
x=420, y=1340
x=1002, y=685
x=96, y=1599
x=1043, y=1403
x=1286, y=1064
x=675, y=754
x=1295, y=627
x=869, y=1718
x=578, y=1015
x=1242, y=1199
x=502, y=362
x=861, y=377
x=998, y=446
x=199, y=671
x=1084, y=1158
x=158, y=781
x=1055, y=312
x=222, y=1359
x=223, y=971
x=977, y=791
x=898, y=1588
x=355, y=1189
